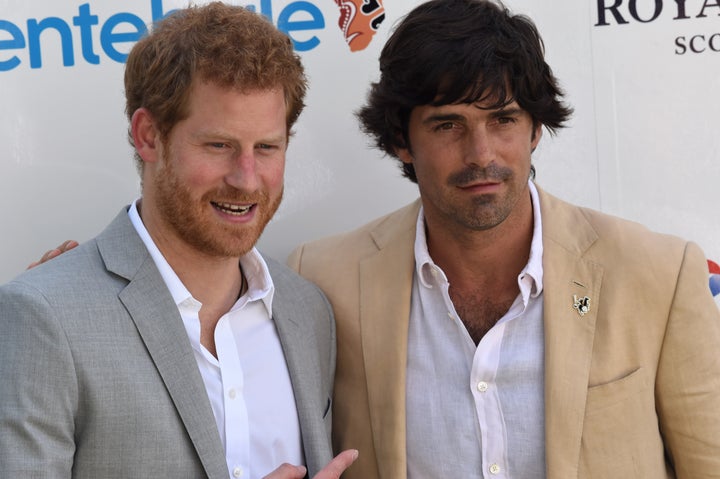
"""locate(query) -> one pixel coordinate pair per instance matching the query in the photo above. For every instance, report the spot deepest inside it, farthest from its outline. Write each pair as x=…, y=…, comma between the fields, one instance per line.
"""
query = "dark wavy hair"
x=226, y=45
x=459, y=51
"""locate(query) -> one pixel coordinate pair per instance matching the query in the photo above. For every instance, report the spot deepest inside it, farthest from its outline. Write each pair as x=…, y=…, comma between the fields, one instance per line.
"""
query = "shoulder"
x=351, y=246
x=613, y=241
x=290, y=287
x=561, y=219
x=284, y=277
x=67, y=272
x=93, y=272
x=84, y=268
x=42, y=305
x=61, y=299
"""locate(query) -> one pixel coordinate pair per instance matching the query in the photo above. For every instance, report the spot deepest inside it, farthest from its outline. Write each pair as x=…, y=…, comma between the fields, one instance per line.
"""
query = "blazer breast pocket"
x=607, y=395
x=621, y=437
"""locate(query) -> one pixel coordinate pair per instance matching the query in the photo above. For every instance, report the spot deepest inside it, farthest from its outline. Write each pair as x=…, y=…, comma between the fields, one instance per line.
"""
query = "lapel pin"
x=581, y=305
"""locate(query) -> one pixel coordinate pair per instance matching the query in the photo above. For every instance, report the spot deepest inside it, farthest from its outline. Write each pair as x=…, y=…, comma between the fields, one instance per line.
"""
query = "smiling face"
x=216, y=181
x=472, y=164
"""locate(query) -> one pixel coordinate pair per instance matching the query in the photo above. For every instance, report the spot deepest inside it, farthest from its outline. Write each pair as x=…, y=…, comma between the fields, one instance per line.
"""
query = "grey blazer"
x=98, y=378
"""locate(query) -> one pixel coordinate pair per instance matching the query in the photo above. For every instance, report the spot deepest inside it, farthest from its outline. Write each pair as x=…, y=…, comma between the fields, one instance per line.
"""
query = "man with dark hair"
x=490, y=329
x=168, y=347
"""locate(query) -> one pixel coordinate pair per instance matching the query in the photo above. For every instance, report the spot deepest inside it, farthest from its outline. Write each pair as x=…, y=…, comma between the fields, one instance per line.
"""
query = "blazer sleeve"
x=38, y=388
x=688, y=377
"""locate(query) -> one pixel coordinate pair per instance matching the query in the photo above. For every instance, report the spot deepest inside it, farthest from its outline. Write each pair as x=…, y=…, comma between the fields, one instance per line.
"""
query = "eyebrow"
x=213, y=133
x=512, y=111
x=223, y=136
x=442, y=117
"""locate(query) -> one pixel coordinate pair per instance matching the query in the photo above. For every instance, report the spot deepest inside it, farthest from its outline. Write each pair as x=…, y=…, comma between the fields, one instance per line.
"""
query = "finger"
x=287, y=471
x=67, y=246
x=338, y=465
x=50, y=254
x=64, y=247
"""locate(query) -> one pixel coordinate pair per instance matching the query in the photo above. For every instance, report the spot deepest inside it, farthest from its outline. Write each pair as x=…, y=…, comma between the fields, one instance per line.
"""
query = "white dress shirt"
x=248, y=384
x=475, y=412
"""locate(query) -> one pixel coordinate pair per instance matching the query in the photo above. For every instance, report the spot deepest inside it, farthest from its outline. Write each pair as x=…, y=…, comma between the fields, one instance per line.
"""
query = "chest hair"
x=479, y=311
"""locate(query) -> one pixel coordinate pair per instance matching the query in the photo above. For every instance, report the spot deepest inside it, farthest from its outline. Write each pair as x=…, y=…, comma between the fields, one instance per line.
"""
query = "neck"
x=213, y=280
x=489, y=259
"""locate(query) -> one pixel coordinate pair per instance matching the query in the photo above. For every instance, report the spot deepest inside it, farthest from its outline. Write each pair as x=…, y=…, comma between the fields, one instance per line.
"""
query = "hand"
x=332, y=471
x=50, y=254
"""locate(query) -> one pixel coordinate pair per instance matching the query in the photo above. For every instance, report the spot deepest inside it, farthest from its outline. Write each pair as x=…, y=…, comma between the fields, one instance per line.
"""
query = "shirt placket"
x=484, y=390
x=487, y=404
x=237, y=432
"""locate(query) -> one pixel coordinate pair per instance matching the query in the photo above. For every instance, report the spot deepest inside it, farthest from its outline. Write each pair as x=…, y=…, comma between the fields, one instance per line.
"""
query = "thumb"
x=338, y=465
x=287, y=471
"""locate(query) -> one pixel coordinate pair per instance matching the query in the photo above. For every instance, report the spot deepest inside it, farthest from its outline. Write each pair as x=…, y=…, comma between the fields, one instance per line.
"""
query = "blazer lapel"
x=569, y=331
x=300, y=349
x=385, y=296
x=155, y=314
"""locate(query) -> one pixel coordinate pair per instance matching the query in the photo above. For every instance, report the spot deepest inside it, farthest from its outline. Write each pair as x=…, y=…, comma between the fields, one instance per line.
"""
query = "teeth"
x=233, y=209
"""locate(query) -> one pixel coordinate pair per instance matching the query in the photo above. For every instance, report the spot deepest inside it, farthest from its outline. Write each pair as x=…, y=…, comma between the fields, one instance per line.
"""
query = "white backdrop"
x=642, y=75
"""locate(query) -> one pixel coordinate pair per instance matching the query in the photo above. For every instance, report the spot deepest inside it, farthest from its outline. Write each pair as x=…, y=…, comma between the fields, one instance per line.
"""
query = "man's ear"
x=404, y=154
x=145, y=136
x=537, y=134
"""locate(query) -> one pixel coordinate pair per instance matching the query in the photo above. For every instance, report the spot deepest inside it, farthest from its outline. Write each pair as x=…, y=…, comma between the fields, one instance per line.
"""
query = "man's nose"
x=242, y=173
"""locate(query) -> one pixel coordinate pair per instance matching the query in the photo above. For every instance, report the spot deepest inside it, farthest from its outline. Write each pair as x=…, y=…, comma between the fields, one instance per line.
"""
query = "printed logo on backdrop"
x=37, y=38
x=714, y=270
x=359, y=20
x=704, y=13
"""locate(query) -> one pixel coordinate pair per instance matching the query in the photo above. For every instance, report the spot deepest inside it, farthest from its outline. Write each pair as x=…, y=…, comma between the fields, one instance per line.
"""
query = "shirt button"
x=231, y=395
x=237, y=472
x=482, y=386
x=494, y=469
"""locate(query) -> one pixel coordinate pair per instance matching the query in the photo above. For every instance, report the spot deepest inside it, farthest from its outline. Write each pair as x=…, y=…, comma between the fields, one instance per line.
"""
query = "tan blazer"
x=632, y=388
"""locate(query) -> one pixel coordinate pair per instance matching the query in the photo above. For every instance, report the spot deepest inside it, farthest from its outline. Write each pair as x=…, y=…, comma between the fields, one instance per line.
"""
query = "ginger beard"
x=196, y=222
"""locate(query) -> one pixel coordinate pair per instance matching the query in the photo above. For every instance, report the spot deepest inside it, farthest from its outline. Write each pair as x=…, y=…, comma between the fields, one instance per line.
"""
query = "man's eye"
x=448, y=125
x=506, y=119
x=218, y=145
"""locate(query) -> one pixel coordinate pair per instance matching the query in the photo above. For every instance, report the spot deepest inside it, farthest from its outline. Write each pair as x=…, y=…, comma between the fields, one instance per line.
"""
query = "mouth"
x=232, y=209
x=481, y=186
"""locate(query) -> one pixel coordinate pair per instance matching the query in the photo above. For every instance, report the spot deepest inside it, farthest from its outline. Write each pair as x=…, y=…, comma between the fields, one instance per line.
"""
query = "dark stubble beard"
x=485, y=212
